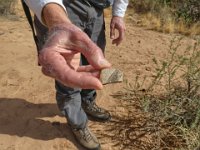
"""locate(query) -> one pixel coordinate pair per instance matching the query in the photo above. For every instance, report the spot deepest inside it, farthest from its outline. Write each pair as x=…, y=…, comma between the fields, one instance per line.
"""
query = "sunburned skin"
x=60, y=58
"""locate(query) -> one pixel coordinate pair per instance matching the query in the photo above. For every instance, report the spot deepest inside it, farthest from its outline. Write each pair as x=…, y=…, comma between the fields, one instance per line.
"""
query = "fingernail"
x=100, y=87
x=104, y=63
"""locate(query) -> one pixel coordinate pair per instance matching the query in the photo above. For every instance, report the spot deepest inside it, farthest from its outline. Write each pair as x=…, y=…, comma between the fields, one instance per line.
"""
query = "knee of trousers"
x=67, y=100
x=70, y=107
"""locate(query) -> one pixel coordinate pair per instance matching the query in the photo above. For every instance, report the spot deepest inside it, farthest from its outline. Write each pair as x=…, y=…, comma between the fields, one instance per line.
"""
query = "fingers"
x=89, y=70
x=120, y=38
x=59, y=58
x=90, y=50
x=112, y=31
x=81, y=80
x=54, y=65
x=117, y=23
x=71, y=37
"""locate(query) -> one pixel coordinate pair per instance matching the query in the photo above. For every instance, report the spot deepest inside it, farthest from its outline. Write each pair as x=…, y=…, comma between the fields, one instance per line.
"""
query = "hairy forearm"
x=53, y=14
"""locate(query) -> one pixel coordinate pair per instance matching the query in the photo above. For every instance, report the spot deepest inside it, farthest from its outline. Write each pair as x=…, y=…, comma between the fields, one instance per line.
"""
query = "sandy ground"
x=29, y=118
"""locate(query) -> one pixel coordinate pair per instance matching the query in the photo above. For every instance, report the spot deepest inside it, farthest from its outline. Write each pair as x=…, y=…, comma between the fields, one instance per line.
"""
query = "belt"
x=102, y=4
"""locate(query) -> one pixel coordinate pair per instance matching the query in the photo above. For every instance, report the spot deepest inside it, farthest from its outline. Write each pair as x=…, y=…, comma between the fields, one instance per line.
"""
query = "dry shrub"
x=7, y=7
x=166, y=121
x=169, y=16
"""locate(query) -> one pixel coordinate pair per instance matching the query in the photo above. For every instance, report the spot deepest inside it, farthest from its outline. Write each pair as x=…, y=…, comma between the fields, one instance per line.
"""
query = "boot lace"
x=94, y=107
x=86, y=134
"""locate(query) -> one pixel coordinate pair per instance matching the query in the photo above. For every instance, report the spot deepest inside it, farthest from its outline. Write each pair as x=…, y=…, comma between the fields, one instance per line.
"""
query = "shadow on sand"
x=21, y=118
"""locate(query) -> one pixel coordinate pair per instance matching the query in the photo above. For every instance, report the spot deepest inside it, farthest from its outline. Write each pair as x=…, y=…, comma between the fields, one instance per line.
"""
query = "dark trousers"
x=91, y=21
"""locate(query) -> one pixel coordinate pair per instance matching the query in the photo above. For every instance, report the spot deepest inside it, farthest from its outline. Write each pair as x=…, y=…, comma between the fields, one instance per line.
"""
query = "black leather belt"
x=99, y=3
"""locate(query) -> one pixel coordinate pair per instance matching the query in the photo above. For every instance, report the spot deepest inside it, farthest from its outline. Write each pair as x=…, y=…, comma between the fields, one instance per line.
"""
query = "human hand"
x=117, y=23
x=60, y=57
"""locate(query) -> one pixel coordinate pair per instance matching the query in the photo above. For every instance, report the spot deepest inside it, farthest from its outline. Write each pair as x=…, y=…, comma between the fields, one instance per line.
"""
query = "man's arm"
x=60, y=55
x=117, y=23
x=53, y=18
x=37, y=6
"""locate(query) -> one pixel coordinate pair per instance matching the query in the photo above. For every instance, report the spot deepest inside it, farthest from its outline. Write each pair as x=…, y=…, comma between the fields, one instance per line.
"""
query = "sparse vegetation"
x=169, y=15
x=7, y=7
x=169, y=120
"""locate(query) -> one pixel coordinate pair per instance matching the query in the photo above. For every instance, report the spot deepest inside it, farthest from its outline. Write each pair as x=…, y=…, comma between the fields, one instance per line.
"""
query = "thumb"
x=90, y=50
x=73, y=39
x=95, y=56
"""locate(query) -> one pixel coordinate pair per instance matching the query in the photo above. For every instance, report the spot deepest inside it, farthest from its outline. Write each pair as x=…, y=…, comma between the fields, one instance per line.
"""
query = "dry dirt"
x=29, y=118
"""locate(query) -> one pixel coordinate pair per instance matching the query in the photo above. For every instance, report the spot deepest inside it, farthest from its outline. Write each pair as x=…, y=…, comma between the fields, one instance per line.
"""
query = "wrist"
x=118, y=17
x=53, y=14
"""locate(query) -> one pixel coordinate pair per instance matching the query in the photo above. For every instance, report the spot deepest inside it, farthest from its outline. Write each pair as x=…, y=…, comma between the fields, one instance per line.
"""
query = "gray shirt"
x=118, y=8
